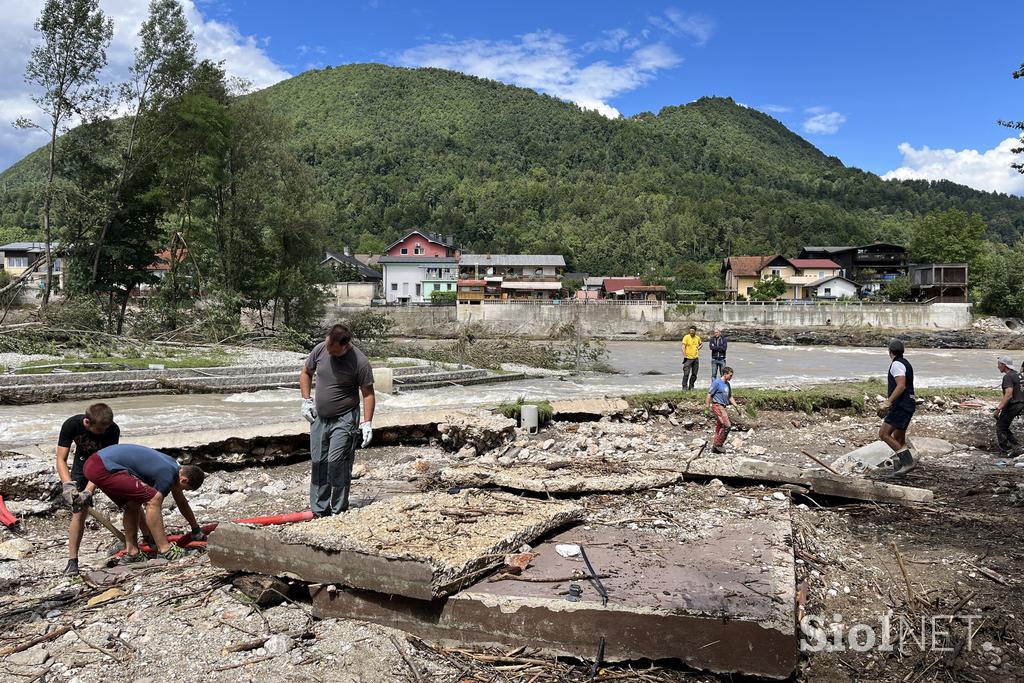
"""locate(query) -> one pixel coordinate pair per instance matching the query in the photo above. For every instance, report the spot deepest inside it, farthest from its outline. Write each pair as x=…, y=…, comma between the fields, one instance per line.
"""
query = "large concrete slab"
x=421, y=545
x=563, y=477
x=723, y=602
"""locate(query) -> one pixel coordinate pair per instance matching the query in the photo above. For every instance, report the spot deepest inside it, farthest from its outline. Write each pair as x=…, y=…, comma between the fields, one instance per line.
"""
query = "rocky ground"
x=961, y=555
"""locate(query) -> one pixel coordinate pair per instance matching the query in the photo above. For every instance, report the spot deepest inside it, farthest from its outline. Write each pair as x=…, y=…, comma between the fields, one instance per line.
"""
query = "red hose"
x=10, y=521
x=183, y=539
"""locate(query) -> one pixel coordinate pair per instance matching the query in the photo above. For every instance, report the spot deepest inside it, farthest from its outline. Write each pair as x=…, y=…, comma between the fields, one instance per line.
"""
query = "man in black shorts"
x=89, y=432
x=898, y=409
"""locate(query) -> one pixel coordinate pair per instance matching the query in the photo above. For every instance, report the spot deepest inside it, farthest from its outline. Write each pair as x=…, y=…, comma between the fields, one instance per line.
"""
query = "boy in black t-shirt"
x=89, y=432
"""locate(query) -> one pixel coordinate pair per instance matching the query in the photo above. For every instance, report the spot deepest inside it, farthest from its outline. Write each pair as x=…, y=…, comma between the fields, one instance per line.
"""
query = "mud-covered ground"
x=962, y=555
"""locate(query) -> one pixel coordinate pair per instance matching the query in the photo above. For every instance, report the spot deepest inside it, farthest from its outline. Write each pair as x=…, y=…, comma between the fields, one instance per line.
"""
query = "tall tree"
x=66, y=68
x=1017, y=125
x=163, y=63
x=950, y=236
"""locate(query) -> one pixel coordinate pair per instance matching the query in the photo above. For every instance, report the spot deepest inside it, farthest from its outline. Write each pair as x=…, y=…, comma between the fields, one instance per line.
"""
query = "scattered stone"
x=34, y=656
x=278, y=644
x=15, y=549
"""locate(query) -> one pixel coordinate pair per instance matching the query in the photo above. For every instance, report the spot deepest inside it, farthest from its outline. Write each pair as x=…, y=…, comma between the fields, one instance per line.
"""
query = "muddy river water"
x=642, y=366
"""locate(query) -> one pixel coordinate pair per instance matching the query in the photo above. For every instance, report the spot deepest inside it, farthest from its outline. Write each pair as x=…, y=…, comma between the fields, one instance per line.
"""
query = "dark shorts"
x=899, y=416
x=77, y=473
x=120, y=486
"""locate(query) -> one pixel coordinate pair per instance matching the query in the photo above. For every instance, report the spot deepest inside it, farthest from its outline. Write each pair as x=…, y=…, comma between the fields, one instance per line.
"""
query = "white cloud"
x=822, y=121
x=243, y=57
x=988, y=170
x=545, y=61
x=775, y=108
x=695, y=26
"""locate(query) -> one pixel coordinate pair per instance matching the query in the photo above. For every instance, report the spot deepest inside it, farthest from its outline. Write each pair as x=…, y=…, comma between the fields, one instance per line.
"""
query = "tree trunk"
x=47, y=203
x=124, y=307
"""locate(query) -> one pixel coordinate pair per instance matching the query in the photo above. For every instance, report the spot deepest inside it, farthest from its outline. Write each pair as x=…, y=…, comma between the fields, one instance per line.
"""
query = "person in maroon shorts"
x=138, y=478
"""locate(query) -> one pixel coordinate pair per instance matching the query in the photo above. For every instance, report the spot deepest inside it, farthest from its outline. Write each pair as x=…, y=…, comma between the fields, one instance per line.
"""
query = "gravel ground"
x=962, y=554
x=13, y=360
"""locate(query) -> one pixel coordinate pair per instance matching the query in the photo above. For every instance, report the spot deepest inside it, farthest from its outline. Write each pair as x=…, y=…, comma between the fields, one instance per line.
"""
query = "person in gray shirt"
x=342, y=373
x=1011, y=405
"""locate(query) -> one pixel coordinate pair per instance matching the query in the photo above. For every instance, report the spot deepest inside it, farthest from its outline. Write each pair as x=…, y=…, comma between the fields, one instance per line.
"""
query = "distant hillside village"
x=425, y=267
x=428, y=268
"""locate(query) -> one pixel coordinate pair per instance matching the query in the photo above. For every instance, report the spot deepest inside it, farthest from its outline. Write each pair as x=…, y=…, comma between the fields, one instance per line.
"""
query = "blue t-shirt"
x=153, y=467
x=720, y=392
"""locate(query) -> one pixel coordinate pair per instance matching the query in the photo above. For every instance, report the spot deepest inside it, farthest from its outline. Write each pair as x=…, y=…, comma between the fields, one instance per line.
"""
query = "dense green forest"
x=244, y=190
x=508, y=170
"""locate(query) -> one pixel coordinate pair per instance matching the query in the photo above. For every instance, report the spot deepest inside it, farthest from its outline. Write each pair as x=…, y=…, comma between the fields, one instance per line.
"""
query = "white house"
x=832, y=287
x=413, y=279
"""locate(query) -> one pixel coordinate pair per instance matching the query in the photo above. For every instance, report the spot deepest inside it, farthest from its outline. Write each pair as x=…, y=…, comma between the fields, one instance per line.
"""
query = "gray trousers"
x=690, y=366
x=717, y=364
x=332, y=445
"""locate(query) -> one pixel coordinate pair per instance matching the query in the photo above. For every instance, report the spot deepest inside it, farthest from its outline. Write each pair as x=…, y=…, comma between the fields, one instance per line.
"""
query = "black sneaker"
x=718, y=449
x=71, y=569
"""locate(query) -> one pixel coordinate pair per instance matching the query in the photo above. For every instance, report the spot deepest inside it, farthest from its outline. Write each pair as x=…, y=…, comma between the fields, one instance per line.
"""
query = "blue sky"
x=913, y=89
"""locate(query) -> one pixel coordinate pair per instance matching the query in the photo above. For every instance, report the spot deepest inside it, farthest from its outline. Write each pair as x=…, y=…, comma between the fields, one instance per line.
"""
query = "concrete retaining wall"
x=889, y=316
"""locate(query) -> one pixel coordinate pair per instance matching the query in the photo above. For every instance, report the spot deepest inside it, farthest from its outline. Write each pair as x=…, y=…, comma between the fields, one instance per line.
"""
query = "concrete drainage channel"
x=52, y=387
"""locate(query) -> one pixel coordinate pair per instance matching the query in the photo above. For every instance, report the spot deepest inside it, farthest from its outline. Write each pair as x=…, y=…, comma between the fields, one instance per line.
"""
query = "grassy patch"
x=102, y=363
x=513, y=410
x=839, y=396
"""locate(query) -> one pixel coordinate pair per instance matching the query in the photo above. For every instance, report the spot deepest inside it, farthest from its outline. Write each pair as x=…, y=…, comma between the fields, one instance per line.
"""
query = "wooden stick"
x=819, y=461
x=911, y=598
x=105, y=521
x=409, y=662
x=245, y=663
x=56, y=633
x=97, y=647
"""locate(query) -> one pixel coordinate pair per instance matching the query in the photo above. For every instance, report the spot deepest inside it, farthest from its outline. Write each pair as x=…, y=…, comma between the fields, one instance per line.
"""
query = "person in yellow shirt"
x=691, y=357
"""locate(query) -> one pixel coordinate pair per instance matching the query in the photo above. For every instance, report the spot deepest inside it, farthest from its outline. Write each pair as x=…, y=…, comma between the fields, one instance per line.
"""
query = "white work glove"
x=367, y=430
x=309, y=410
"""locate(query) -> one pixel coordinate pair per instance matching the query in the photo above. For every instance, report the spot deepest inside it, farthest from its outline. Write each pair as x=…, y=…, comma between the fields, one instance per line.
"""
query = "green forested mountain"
x=505, y=169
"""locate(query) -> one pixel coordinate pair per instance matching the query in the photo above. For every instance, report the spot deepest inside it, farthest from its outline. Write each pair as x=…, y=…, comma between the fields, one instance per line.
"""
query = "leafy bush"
x=371, y=332
x=440, y=297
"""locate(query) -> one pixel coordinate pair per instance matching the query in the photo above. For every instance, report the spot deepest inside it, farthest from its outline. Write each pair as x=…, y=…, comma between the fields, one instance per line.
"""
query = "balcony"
x=879, y=258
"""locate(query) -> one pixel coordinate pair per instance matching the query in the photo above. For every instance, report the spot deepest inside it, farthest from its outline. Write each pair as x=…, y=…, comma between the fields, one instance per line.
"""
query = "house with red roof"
x=803, y=276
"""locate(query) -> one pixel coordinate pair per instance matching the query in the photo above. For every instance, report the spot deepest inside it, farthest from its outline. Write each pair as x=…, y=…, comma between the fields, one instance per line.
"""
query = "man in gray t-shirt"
x=342, y=373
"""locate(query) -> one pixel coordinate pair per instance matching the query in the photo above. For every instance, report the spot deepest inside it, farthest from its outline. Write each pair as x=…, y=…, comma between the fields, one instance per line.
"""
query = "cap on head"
x=1005, y=360
x=896, y=347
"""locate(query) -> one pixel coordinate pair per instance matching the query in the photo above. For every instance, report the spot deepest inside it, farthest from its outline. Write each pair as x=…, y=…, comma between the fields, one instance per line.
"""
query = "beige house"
x=742, y=273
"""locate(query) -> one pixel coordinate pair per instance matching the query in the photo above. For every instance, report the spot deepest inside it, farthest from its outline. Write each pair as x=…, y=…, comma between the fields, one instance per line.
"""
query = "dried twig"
x=97, y=647
x=412, y=665
x=56, y=633
x=819, y=461
x=911, y=597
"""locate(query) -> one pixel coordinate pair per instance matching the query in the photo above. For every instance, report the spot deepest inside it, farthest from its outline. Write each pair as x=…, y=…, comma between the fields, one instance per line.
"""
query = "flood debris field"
x=944, y=573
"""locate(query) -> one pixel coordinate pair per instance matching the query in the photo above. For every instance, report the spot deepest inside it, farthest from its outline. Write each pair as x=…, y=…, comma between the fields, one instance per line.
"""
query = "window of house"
x=418, y=287
x=749, y=289
x=56, y=265
x=828, y=291
x=404, y=250
x=17, y=261
x=776, y=272
x=418, y=249
x=394, y=286
x=821, y=273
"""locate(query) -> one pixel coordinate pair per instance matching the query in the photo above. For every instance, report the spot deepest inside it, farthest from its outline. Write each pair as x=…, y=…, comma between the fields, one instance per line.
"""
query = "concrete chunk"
x=724, y=602
x=874, y=455
x=420, y=545
x=23, y=477
x=727, y=467
x=588, y=408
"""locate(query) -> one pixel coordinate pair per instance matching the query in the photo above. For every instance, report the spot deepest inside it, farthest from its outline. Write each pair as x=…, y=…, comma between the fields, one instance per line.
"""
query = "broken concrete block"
x=817, y=480
x=419, y=545
x=724, y=602
x=576, y=410
x=563, y=477
x=23, y=477
x=876, y=454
